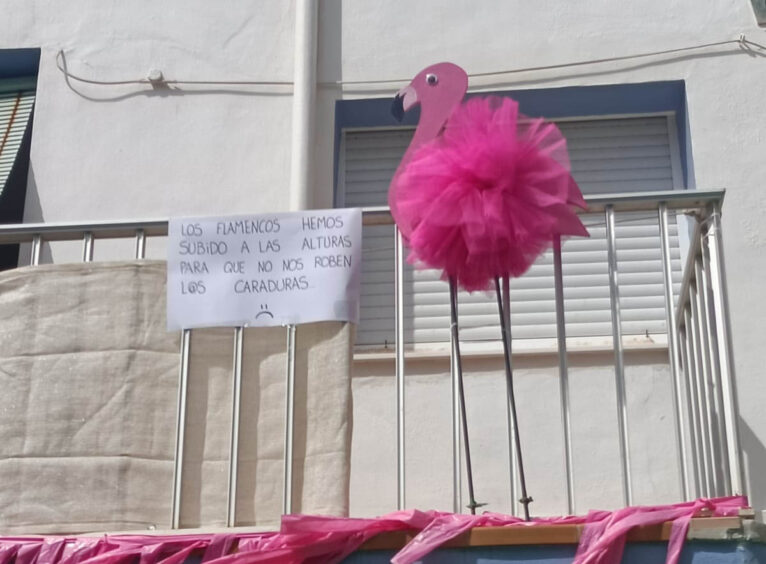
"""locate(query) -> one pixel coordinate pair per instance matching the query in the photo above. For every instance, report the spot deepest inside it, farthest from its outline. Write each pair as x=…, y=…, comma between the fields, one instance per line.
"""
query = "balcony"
x=238, y=436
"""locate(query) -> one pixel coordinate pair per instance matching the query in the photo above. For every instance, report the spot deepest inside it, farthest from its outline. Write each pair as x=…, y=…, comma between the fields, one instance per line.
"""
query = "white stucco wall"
x=593, y=415
x=103, y=152
x=129, y=151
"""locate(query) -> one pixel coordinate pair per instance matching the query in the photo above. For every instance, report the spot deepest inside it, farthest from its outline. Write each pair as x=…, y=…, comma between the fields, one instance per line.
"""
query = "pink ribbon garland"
x=331, y=539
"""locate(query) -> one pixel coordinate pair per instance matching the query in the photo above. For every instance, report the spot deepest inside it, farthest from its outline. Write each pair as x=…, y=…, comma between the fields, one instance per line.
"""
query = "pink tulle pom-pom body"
x=487, y=196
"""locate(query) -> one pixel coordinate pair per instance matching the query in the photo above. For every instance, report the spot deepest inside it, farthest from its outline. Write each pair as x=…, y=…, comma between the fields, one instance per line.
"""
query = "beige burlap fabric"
x=88, y=398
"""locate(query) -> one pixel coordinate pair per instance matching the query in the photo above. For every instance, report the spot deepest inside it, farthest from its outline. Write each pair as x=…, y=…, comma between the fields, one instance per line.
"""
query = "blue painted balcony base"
x=694, y=552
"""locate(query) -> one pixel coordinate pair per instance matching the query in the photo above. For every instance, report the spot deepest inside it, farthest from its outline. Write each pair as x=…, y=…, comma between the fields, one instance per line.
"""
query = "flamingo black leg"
x=472, y=505
x=525, y=499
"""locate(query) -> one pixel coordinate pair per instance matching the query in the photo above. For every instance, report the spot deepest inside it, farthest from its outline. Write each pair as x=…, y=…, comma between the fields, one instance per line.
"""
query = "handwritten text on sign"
x=264, y=270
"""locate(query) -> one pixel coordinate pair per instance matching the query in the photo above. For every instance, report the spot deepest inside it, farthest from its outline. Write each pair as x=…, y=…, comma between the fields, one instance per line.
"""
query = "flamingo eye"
x=432, y=79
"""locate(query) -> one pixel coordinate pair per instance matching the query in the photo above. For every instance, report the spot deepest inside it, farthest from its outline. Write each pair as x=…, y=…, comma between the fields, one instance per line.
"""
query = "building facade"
x=147, y=111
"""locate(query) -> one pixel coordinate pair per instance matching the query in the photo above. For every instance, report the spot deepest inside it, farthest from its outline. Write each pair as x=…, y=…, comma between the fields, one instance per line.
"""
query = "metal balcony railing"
x=699, y=347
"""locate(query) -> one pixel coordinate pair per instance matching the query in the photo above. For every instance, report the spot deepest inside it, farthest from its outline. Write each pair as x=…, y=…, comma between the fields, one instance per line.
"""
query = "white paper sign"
x=264, y=270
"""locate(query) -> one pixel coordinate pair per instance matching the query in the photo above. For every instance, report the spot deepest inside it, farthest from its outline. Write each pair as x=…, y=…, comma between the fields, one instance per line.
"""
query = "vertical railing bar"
x=619, y=366
x=690, y=405
x=701, y=392
x=694, y=385
x=561, y=337
x=692, y=363
x=694, y=236
x=287, y=491
x=726, y=361
x=457, y=469
x=510, y=425
x=707, y=372
x=140, y=244
x=715, y=368
x=231, y=499
x=399, y=343
x=87, y=246
x=37, y=243
x=178, y=460
x=673, y=352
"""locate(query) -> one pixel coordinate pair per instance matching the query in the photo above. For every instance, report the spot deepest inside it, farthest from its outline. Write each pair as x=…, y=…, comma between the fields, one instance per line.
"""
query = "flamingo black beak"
x=397, y=107
x=406, y=98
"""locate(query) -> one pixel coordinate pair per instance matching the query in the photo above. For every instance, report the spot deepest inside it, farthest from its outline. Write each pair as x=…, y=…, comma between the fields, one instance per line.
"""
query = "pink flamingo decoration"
x=480, y=193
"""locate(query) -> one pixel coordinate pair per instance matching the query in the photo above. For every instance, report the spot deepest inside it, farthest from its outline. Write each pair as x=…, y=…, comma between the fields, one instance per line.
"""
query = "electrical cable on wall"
x=151, y=80
x=157, y=79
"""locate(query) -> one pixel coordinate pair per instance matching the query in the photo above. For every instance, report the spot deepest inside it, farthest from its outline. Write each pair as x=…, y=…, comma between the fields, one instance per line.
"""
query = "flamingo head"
x=438, y=87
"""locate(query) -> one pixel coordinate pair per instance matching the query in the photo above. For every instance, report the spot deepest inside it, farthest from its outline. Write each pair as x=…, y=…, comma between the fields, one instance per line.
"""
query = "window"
x=759, y=10
x=609, y=154
x=16, y=100
x=18, y=81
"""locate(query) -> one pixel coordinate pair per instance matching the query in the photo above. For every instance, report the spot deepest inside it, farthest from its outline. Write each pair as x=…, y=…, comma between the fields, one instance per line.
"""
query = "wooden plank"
x=517, y=535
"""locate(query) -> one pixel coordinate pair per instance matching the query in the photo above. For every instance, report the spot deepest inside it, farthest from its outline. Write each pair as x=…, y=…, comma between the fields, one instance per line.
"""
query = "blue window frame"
x=570, y=101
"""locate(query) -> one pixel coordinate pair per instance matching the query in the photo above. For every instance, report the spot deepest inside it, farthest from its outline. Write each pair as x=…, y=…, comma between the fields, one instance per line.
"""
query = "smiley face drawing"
x=264, y=311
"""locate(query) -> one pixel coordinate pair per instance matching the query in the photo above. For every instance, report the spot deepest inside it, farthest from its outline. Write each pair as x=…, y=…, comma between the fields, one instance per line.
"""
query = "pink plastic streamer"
x=307, y=538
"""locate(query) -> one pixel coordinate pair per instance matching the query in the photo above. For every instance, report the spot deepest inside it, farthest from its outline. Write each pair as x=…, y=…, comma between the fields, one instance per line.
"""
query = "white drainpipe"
x=304, y=94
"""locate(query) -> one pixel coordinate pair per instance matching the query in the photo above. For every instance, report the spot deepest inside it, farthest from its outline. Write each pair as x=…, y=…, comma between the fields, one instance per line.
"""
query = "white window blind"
x=608, y=156
x=15, y=109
